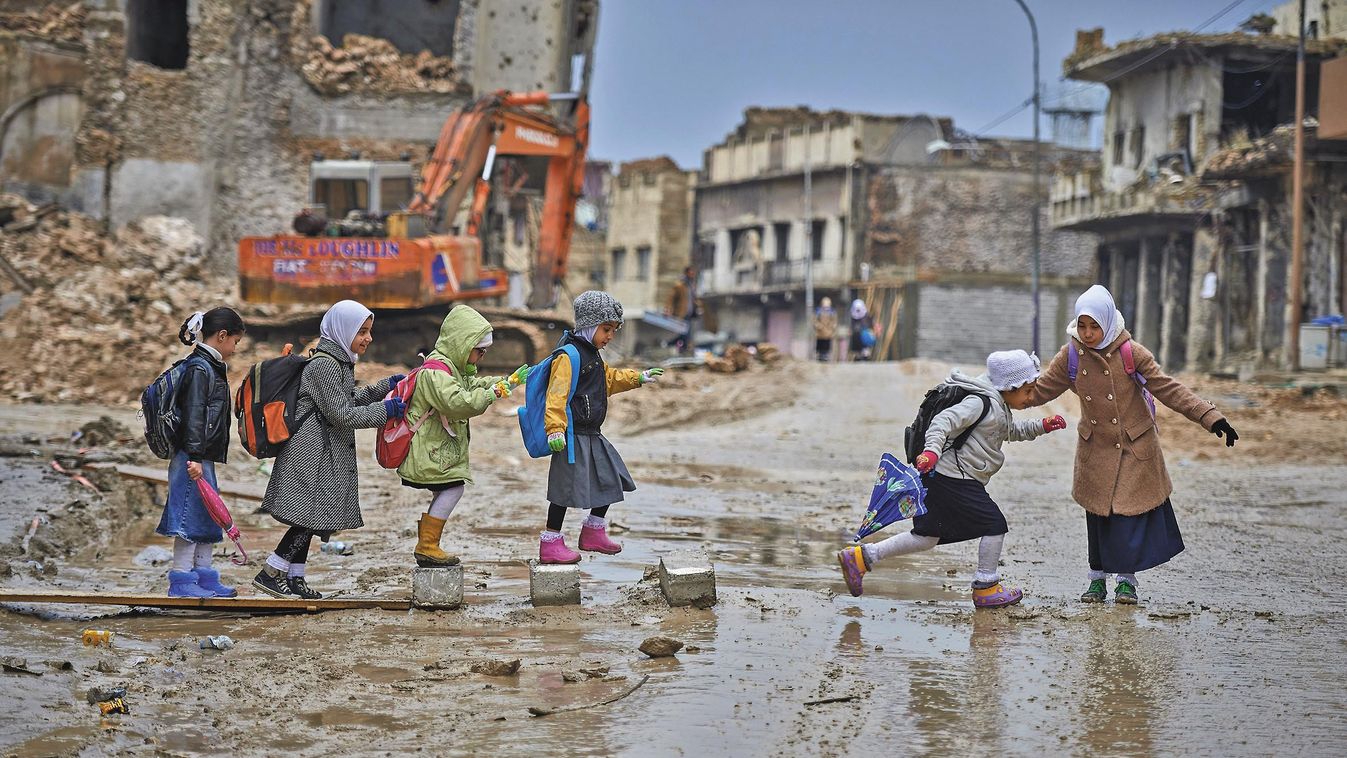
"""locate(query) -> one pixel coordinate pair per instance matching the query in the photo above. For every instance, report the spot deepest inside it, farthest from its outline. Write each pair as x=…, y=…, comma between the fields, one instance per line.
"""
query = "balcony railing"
x=776, y=275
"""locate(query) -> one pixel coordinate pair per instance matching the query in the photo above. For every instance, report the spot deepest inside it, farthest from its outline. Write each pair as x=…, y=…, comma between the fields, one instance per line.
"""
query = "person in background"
x=683, y=304
x=863, y=332
x=825, y=329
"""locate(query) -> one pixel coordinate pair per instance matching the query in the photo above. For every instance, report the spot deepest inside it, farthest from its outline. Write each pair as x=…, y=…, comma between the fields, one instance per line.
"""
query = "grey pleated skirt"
x=597, y=478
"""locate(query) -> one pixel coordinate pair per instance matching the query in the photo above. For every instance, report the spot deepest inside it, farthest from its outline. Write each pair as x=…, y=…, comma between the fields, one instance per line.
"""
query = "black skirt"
x=1128, y=544
x=958, y=510
x=436, y=487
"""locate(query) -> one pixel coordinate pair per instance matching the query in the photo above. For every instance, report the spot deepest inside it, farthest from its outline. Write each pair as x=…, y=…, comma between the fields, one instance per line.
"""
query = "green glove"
x=556, y=441
x=519, y=376
x=651, y=375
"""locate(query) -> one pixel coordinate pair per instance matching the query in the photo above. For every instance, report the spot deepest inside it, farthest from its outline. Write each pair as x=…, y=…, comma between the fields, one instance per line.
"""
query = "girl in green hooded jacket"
x=440, y=407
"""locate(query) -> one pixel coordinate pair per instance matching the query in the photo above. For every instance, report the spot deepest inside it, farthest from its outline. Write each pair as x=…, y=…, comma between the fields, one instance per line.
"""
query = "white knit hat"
x=1008, y=369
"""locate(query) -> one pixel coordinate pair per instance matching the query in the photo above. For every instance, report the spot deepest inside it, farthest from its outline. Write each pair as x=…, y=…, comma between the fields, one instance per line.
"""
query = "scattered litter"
x=78, y=478
x=61, y=665
x=108, y=699
x=217, y=642
x=1169, y=614
x=661, y=647
x=537, y=711
x=96, y=637
x=17, y=666
x=337, y=547
x=1263, y=614
x=154, y=555
x=826, y=700
x=496, y=667
x=106, y=666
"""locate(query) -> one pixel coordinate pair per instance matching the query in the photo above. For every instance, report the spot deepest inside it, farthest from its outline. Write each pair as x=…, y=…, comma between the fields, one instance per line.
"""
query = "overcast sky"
x=674, y=76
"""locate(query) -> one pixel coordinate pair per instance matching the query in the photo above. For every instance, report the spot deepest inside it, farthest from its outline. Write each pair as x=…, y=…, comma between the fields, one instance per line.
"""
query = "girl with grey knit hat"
x=598, y=477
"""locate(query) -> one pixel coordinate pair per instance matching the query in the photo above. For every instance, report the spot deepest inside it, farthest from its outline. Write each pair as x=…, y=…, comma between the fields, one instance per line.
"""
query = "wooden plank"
x=159, y=476
x=242, y=604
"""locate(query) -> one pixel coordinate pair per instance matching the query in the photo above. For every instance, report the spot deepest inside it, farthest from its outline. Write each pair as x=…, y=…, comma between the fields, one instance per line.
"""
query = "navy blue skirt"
x=958, y=510
x=1128, y=544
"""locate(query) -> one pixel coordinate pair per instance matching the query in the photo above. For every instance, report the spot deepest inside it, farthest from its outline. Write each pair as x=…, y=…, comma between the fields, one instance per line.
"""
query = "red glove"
x=1054, y=423
x=926, y=461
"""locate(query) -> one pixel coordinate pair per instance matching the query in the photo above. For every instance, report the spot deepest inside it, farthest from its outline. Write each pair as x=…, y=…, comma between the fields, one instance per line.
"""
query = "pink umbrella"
x=220, y=515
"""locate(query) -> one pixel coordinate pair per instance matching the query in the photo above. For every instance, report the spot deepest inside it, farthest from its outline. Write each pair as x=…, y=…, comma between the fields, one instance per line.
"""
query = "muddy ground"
x=1236, y=649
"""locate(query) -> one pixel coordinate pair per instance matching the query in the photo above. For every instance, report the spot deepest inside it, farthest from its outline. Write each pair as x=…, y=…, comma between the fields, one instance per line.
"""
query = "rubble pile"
x=103, y=317
x=738, y=357
x=374, y=65
x=56, y=22
x=1244, y=155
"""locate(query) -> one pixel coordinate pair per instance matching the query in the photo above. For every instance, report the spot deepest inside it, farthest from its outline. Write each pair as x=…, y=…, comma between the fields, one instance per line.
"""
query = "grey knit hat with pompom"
x=594, y=307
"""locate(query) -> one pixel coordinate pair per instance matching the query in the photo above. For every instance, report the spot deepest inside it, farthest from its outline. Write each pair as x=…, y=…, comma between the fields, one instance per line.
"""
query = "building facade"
x=929, y=226
x=1191, y=199
x=212, y=111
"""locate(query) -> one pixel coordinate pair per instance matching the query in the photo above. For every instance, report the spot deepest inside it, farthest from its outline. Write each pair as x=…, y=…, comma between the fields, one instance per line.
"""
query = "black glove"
x=1223, y=428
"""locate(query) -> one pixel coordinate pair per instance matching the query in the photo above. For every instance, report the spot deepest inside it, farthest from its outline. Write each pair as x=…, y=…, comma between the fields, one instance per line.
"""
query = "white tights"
x=1129, y=578
x=444, y=502
x=989, y=552
x=188, y=555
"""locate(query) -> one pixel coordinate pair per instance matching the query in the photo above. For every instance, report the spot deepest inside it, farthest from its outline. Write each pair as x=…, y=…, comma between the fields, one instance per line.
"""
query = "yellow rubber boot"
x=428, y=552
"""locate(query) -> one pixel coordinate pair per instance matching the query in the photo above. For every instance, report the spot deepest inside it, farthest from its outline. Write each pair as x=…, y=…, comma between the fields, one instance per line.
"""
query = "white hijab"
x=342, y=322
x=1097, y=303
x=858, y=309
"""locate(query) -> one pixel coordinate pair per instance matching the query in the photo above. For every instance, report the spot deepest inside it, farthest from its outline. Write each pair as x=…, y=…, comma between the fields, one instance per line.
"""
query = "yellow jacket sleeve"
x=621, y=379
x=558, y=388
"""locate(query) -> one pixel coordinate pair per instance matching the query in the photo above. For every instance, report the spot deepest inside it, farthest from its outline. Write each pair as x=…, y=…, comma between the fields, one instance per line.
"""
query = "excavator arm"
x=508, y=124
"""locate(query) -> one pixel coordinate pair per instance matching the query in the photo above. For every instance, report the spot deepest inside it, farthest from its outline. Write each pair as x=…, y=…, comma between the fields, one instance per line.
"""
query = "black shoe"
x=301, y=588
x=273, y=584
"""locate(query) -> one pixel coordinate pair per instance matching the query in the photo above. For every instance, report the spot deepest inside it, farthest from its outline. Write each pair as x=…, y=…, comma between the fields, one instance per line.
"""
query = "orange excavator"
x=406, y=254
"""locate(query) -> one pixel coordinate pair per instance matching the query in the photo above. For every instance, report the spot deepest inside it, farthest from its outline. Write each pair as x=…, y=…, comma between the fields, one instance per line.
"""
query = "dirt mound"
x=1282, y=422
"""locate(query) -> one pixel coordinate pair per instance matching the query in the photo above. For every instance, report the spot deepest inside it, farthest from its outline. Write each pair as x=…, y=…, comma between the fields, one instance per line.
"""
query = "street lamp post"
x=1038, y=162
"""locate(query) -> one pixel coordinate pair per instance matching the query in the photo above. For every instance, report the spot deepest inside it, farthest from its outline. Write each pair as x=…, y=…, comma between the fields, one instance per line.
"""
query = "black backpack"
x=159, y=410
x=265, y=404
x=938, y=398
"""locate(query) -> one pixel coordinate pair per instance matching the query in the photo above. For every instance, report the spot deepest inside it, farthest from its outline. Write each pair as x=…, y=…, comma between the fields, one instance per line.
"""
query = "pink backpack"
x=395, y=438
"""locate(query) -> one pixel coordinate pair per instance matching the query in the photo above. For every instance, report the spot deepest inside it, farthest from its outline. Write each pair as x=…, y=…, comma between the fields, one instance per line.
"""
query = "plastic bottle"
x=96, y=637
x=337, y=547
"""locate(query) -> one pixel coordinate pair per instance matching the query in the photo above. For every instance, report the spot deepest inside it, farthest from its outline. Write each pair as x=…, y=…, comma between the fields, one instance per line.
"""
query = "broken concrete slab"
x=552, y=584
x=688, y=578
x=437, y=588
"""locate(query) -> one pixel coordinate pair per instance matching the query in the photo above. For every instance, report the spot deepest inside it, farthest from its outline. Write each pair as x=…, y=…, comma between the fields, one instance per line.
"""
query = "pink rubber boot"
x=594, y=539
x=555, y=551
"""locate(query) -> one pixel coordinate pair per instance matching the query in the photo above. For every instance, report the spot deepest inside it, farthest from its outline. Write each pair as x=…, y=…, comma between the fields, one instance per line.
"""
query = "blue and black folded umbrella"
x=898, y=495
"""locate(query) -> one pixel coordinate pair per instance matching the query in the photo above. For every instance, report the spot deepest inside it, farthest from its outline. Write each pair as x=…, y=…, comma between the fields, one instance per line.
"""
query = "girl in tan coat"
x=1120, y=477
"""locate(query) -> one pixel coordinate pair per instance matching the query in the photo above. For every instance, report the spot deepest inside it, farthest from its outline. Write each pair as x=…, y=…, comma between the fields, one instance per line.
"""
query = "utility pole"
x=1297, y=203
x=1038, y=163
x=808, y=237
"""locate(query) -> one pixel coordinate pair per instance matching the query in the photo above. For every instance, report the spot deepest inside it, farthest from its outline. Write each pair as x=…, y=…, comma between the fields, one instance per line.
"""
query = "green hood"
x=462, y=329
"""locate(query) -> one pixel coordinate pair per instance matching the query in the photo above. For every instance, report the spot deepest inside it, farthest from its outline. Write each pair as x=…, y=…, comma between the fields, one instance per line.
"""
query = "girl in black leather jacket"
x=203, y=440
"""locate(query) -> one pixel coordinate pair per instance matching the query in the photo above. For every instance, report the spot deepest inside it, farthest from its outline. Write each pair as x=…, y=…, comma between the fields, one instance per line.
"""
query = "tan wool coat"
x=1119, y=465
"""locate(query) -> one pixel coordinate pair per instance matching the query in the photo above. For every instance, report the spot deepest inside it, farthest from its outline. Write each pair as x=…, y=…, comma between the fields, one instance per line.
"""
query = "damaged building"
x=215, y=111
x=1191, y=201
x=649, y=239
x=907, y=213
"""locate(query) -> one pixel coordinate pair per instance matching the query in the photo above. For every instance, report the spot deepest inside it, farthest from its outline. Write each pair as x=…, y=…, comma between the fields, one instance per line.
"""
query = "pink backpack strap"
x=1129, y=363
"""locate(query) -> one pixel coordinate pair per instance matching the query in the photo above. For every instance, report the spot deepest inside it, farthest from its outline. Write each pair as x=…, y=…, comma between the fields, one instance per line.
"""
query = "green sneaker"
x=1124, y=593
x=1097, y=593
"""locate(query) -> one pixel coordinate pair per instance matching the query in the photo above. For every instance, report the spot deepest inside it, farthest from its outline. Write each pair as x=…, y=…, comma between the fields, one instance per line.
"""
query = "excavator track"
x=519, y=336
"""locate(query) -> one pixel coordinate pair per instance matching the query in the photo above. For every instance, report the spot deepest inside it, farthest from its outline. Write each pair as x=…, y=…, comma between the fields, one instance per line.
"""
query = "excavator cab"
x=338, y=187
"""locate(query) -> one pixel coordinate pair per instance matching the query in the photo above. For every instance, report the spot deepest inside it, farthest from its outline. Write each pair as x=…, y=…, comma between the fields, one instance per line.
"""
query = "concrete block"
x=437, y=588
x=551, y=584
x=688, y=578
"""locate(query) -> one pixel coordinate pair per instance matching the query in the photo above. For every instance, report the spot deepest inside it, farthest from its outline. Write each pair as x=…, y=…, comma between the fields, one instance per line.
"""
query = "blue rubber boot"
x=183, y=584
x=208, y=579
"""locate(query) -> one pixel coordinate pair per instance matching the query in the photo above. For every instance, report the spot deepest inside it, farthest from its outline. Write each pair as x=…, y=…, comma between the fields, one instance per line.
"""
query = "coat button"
x=1092, y=422
x=1110, y=397
x=1106, y=355
x=1118, y=445
x=1087, y=398
x=1105, y=372
x=1083, y=372
x=1114, y=421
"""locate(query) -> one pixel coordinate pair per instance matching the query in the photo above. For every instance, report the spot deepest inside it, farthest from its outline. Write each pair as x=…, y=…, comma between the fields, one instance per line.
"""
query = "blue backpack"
x=532, y=417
